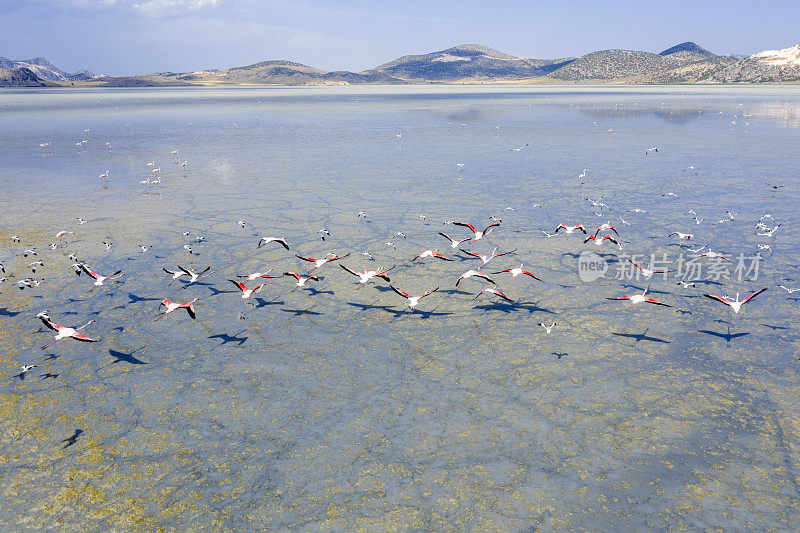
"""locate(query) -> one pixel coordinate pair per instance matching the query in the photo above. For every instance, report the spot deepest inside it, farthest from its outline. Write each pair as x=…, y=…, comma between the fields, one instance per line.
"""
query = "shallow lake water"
x=330, y=407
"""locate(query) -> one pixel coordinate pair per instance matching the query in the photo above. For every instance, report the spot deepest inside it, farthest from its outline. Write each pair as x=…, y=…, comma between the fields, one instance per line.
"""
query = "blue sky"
x=139, y=36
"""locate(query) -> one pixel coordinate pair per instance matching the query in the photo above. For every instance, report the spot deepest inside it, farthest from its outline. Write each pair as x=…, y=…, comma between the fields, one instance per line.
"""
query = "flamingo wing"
x=398, y=291
x=753, y=295
x=82, y=337
x=718, y=298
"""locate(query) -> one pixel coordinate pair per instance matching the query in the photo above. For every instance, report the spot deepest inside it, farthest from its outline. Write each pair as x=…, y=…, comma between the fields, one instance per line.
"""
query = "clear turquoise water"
x=330, y=408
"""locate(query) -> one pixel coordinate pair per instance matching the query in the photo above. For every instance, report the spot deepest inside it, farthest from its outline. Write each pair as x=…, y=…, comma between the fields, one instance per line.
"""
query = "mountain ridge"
x=686, y=62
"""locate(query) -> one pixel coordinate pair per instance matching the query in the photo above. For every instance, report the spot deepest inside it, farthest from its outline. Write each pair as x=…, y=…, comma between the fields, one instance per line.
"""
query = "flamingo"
x=301, y=279
x=640, y=298
x=331, y=257
x=487, y=258
x=267, y=240
x=492, y=290
x=412, y=300
x=454, y=243
x=430, y=253
x=473, y=273
x=194, y=276
x=246, y=293
x=256, y=275
x=599, y=241
x=518, y=271
x=605, y=227
x=63, y=332
x=477, y=235
x=736, y=304
x=365, y=276
x=647, y=273
x=570, y=229
x=173, y=306
x=98, y=279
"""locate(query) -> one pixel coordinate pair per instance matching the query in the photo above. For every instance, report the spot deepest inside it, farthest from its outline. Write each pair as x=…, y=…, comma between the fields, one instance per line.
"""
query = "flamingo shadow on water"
x=226, y=338
x=727, y=336
x=638, y=337
x=122, y=357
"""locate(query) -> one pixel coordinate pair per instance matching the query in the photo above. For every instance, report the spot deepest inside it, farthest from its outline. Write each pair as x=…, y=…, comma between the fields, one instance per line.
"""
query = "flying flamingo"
x=516, y=272
x=63, y=332
x=246, y=293
x=491, y=290
x=647, y=273
x=430, y=253
x=173, y=306
x=487, y=258
x=256, y=275
x=97, y=277
x=477, y=235
x=640, y=298
x=570, y=229
x=473, y=273
x=598, y=241
x=736, y=304
x=365, y=276
x=454, y=243
x=319, y=262
x=267, y=240
x=412, y=300
x=301, y=278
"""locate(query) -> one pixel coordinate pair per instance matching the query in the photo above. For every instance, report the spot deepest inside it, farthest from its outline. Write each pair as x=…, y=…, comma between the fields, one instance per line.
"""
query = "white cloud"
x=157, y=8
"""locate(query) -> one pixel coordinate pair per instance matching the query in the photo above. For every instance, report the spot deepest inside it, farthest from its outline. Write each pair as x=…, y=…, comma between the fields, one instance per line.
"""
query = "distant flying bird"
x=546, y=327
x=570, y=229
x=653, y=149
x=520, y=148
x=267, y=240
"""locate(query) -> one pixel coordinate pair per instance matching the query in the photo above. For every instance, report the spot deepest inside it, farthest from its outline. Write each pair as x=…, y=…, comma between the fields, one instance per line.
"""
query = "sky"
x=117, y=37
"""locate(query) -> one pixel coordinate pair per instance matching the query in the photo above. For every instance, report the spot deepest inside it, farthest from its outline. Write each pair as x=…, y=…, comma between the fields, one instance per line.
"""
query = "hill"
x=470, y=62
x=43, y=69
x=19, y=77
x=688, y=46
x=773, y=66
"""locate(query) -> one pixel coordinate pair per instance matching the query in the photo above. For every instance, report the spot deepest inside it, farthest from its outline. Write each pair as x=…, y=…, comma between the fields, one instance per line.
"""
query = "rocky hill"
x=468, y=62
x=19, y=77
x=43, y=69
x=688, y=46
x=774, y=66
